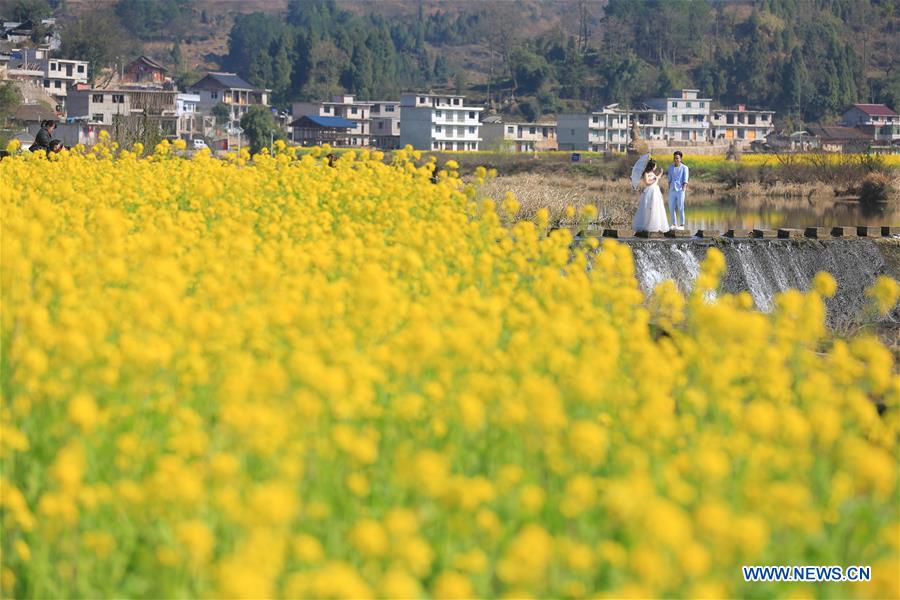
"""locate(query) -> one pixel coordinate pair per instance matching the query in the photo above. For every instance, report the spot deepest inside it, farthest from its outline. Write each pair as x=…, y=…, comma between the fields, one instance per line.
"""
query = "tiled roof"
x=149, y=61
x=836, y=132
x=875, y=110
x=227, y=80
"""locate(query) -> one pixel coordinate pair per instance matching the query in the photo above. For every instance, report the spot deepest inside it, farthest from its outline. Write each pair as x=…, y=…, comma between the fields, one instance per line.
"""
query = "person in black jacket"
x=44, y=136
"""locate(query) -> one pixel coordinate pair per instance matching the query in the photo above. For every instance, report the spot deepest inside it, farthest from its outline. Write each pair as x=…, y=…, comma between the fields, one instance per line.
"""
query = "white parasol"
x=638, y=170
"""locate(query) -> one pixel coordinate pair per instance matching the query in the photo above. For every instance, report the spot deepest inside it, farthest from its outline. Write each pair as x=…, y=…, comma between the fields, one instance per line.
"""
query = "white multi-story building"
x=386, y=124
x=878, y=120
x=598, y=131
x=439, y=122
x=345, y=106
x=741, y=125
x=518, y=136
x=687, y=115
x=56, y=75
x=190, y=121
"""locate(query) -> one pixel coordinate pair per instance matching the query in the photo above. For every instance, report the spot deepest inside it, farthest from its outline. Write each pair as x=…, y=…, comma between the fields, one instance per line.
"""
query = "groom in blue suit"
x=678, y=176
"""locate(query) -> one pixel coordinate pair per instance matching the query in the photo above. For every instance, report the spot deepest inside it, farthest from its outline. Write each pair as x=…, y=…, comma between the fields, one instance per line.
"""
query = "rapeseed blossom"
x=264, y=377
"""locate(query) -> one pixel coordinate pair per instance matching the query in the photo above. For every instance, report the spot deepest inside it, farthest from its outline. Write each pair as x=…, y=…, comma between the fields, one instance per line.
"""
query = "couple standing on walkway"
x=651, y=212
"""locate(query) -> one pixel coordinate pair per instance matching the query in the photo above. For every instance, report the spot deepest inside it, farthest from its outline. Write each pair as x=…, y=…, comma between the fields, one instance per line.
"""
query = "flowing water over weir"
x=766, y=267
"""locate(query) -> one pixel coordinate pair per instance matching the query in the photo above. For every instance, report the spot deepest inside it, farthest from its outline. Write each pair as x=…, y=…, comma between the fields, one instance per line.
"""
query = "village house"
x=43, y=34
x=56, y=75
x=598, y=131
x=877, y=120
x=144, y=70
x=231, y=90
x=187, y=110
x=741, y=125
x=837, y=138
x=518, y=136
x=687, y=116
x=315, y=130
x=651, y=123
x=438, y=122
x=124, y=107
x=385, y=126
x=345, y=106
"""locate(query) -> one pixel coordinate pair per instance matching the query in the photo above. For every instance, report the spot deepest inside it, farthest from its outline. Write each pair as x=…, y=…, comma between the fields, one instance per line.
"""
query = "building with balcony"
x=687, y=115
x=602, y=130
x=385, y=126
x=344, y=106
x=741, y=125
x=439, y=122
x=877, y=120
x=125, y=108
x=518, y=136
x=231, y=90
x=56, y=75
x=190, y=121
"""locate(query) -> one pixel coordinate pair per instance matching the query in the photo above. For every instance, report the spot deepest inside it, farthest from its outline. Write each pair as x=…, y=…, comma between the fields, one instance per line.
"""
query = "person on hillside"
x=44, y=136
x=678, y=176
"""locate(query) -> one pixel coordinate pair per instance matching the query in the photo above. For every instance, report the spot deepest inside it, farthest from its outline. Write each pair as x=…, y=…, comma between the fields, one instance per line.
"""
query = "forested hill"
x=807, y=59
x=804, y=58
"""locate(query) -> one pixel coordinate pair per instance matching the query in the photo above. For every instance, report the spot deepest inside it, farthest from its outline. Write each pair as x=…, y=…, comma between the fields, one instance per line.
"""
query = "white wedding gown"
x=651, y=212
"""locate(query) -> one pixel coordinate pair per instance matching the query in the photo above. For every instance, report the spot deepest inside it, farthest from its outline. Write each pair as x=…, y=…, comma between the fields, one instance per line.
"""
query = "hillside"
x=807, y=59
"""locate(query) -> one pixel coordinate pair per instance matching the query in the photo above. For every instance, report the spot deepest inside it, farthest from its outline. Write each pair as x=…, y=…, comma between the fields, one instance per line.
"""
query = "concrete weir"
x=765, y=266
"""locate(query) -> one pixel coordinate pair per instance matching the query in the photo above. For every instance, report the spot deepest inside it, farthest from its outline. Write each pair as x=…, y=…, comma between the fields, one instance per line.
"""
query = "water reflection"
x=772, y=213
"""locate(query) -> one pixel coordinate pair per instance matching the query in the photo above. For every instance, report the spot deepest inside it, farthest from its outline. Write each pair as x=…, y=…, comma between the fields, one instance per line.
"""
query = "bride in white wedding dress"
x=651, y=212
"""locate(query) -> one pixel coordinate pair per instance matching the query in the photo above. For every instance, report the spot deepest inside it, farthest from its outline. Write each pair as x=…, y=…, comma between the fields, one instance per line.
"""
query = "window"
x=47, y=83
x=214, y=95
x=97, y=117
x=423, y=99
x=118, y=99
x=531, y=130
x=703, y=105
x=456, y=101
x=57, y=84
x=674, y=105
x=472, y=115
x=437, y=129
x=571, y=132
x=81, y=68
x=687, y=104
x=674, y=118
x=471, y=130
x=510, y=129
x=53, y=67
x=389, y=108
x=434, y=145
x=439, y=113
x=752, y=119
x=380, y=125
x=595, y=119
x=353, y=110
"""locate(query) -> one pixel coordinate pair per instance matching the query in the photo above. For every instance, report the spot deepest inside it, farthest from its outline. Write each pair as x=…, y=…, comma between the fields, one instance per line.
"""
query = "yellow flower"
x=369, y=537
x=884, y=292
x=824, y=284
x=452, y=586
x=83, y=411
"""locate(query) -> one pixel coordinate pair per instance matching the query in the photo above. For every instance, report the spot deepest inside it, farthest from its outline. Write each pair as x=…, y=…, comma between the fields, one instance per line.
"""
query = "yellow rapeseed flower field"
x=271, y=378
